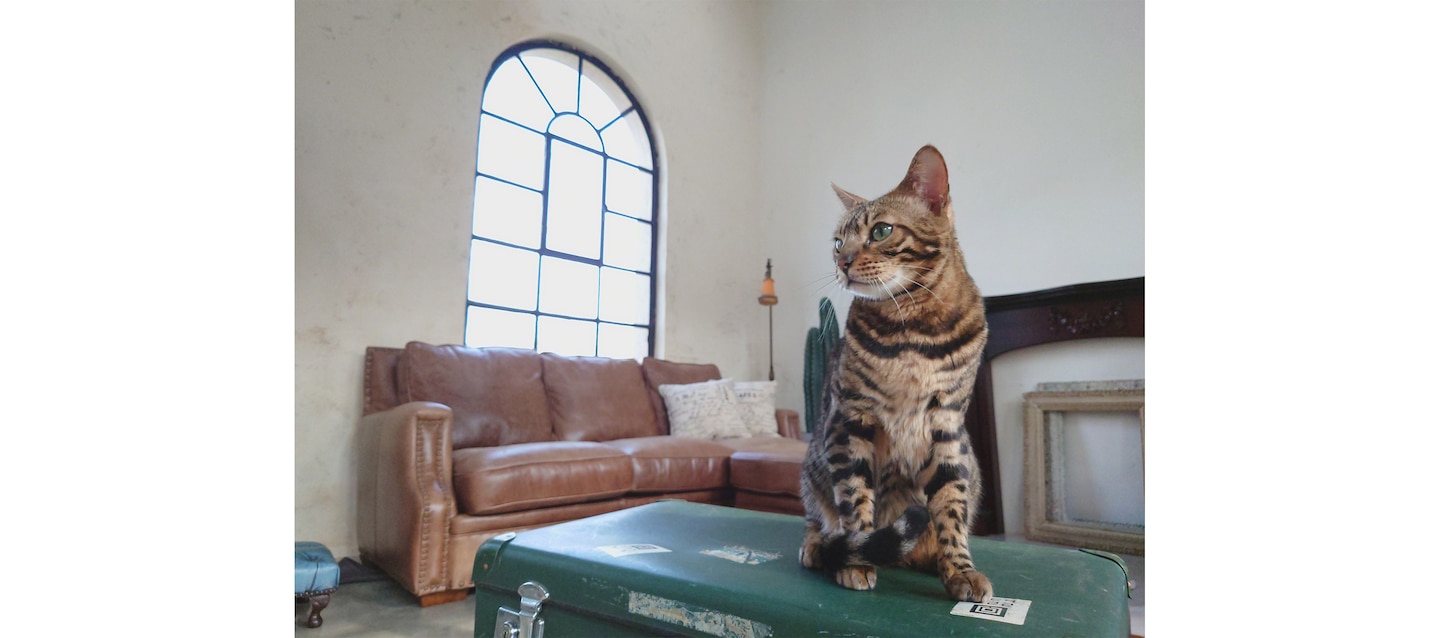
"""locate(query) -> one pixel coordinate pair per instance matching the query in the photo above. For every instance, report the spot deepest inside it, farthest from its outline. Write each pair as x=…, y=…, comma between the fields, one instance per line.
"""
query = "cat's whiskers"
x=885, y=285
x=819, y=287
x=917, y=281
x=824, y=331
x=927, y=289
x=905, y=285
x=907, y=294
x=827, y=277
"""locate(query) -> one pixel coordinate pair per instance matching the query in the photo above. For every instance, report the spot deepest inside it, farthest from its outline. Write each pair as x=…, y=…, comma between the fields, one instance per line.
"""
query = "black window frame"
x=584, y=59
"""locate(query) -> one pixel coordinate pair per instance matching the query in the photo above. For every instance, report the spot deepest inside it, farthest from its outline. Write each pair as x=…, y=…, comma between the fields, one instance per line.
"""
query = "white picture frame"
x=1046, y=518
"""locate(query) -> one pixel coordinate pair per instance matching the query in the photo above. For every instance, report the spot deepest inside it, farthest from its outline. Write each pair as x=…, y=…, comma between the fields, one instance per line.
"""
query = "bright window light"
x=562, y=255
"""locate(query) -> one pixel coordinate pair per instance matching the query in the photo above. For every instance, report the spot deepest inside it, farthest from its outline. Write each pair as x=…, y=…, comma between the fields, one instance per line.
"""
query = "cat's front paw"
x=810, y=549
x=969, y=585
x=857, y=577
x=809, y=556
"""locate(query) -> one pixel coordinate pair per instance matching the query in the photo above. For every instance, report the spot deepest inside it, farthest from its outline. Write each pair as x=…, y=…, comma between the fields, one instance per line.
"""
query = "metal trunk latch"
x=524, y=623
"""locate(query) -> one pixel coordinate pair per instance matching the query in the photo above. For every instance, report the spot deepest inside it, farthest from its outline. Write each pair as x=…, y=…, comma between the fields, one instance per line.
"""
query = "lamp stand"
x=768, y=299
x=772, y=343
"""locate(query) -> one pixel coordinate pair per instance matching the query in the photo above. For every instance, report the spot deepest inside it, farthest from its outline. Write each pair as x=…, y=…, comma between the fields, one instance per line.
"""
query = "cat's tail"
x=881, y=547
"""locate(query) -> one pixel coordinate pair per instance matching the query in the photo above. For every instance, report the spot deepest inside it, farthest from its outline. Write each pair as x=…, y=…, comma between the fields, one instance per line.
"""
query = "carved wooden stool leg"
x=316, y=577
x=317, y=603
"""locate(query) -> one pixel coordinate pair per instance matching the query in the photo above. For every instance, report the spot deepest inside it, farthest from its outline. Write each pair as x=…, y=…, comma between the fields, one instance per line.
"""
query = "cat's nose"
x=844, y=264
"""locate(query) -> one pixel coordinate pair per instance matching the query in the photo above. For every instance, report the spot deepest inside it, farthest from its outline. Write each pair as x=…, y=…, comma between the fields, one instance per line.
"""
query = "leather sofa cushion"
x=780, y=445
x=673, y=464
x=660, y=372
x=597, y=399
x=767, y=466
x=496, y=394
x=509, y=478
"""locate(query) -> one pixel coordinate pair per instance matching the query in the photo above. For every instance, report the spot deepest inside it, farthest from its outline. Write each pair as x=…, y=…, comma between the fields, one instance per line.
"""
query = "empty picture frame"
x=1050, y=513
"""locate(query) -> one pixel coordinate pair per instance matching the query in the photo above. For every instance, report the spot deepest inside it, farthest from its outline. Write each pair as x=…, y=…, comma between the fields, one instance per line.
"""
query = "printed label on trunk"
x=741, y=554
x=698, y=618
x=632, y=549
x=1007, y=610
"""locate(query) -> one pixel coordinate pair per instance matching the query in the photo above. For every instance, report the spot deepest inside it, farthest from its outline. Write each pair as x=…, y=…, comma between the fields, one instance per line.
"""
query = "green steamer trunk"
x=687, y=569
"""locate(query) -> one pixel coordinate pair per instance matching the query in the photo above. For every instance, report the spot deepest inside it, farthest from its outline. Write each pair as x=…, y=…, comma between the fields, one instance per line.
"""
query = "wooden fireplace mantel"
x=1082, y=311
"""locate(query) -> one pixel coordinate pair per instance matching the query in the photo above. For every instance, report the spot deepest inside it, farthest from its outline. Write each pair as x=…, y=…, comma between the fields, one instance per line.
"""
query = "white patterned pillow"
x=757, y=406
x=708, y=410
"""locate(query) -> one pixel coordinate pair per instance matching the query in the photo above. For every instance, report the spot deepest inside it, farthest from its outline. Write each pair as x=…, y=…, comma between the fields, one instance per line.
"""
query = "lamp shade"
x=767, y=288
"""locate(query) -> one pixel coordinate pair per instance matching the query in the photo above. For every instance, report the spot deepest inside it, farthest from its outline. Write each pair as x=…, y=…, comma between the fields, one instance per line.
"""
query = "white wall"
x=387, y=108
x=1037, y=107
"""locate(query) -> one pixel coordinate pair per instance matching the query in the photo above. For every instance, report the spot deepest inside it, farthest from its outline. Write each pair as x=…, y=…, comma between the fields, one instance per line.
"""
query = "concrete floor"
x=381, y=608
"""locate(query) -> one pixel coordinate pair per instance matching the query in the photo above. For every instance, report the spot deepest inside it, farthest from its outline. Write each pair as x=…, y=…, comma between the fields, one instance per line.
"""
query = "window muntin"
x=563, y=234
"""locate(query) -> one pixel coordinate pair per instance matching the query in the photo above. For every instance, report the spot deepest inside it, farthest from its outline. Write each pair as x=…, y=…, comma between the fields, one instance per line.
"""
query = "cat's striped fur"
x=890, y=477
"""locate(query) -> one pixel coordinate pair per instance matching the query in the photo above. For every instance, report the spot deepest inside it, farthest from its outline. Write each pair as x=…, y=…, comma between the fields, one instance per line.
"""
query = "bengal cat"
x=890, y=477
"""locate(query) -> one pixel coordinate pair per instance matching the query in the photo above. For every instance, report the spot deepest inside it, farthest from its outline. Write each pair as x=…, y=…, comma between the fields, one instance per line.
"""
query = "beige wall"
x=387, y=107
x=1037, y=106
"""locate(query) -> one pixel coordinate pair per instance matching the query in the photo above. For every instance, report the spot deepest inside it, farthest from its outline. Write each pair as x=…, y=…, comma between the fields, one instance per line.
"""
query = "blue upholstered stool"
x=316, y=577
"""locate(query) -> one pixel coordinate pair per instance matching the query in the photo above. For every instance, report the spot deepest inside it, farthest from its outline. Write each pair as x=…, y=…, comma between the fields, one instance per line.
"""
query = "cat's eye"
x=838, y=243
x=881, y=231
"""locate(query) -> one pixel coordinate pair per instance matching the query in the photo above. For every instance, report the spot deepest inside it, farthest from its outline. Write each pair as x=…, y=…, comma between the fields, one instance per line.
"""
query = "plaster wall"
x=1038, y=108
x=387, y=110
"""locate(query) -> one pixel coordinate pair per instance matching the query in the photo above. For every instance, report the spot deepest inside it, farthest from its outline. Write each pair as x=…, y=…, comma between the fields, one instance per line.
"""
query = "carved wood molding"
x=1087, y=320
x=1082, y=311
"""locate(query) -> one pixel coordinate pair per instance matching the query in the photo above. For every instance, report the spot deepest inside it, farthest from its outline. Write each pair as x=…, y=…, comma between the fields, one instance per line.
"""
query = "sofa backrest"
x=497, y=395
x=380, y=392
x=501, y=396
x=597, y=399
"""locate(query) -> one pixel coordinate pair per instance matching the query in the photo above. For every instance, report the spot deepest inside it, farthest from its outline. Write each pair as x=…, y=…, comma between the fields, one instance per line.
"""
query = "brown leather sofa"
x=460, y=444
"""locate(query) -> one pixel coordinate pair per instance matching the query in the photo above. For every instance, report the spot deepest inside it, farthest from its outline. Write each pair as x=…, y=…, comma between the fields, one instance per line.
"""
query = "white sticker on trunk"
x=741, y=554
x=632, y=549
x=1006, y=610
x=700, y=619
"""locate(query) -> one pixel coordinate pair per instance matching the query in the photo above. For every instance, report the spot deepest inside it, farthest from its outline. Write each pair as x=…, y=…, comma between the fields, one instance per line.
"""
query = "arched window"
x=562, y=252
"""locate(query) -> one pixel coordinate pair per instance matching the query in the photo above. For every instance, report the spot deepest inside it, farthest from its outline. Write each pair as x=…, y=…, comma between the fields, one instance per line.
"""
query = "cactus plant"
x=819, y=343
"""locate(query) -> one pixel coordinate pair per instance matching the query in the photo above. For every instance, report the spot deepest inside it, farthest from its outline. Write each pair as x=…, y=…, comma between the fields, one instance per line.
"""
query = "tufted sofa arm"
x=406, y=493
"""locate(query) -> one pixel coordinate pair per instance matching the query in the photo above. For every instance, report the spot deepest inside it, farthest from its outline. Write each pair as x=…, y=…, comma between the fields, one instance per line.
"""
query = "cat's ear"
x=929, y=180
x=849, y=199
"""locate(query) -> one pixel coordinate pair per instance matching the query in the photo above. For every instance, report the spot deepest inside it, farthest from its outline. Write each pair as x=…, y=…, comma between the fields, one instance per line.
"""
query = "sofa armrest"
x=406, y=493
x=787, y=423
